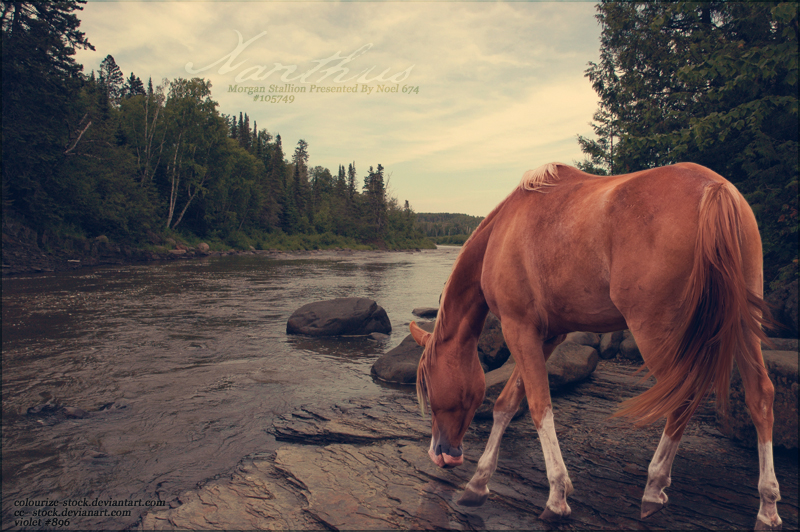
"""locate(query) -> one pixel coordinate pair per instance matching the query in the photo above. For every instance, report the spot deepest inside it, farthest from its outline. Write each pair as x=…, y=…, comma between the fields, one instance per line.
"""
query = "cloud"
x=500, y=86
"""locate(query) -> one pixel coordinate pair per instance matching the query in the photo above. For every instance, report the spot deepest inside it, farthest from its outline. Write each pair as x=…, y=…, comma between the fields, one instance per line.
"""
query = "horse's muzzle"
x=445, y=456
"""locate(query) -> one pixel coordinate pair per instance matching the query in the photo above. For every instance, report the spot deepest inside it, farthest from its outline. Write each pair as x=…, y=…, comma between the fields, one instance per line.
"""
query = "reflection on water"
x=179, y=368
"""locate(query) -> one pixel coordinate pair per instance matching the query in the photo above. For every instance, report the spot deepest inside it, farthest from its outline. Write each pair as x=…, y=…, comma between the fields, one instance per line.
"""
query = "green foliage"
x=40, y=83
x=103, y=155
x=713, y=83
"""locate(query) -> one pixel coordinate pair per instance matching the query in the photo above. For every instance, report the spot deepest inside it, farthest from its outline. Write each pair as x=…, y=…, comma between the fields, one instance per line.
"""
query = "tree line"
x=713, y=83
x=108, y=154
x=447, y=228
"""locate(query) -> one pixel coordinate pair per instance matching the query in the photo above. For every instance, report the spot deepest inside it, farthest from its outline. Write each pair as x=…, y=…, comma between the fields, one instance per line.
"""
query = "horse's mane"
x=540, y=178
x=535, y=180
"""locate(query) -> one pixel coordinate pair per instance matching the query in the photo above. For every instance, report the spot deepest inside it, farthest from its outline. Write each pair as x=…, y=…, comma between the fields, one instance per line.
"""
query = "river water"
x=180, y=366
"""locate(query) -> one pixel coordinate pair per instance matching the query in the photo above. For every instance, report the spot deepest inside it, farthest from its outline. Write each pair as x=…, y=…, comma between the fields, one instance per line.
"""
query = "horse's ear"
x=420, y=336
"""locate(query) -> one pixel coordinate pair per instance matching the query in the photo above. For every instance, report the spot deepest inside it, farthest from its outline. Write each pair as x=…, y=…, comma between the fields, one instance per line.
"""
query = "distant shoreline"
x=21, y=259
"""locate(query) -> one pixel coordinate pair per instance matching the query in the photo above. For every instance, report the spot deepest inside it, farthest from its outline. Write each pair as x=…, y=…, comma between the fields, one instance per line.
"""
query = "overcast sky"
x=500, y=87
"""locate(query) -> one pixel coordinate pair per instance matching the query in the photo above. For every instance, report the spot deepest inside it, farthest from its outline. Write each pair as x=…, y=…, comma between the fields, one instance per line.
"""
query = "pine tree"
x=340, y=185
x=713, y=83
x=300, y=174
x=133, y=87
x=351, y=181
x=112, y=79
x=40, y=119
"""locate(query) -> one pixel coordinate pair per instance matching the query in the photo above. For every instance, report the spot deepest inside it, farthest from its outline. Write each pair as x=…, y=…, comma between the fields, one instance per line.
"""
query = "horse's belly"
x=583, y=310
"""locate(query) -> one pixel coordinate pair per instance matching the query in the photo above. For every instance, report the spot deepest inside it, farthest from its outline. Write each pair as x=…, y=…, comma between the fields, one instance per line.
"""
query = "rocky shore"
x=363, y=465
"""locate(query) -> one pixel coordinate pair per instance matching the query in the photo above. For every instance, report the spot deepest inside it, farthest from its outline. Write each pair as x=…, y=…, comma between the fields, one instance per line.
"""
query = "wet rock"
x=333, y=477
x=425, y=312
x=114, y=405
x=43, y=409
x=399, y=365
x=354, y=423
x=782, y=368
x=609, y=344
x=584, y=338
x=784, y=302
x=341, y=316
x=495, y=382
x=781, y=344
x=492, y=349
x=74, y=412
x=378, y=336
x=570, y=363
x=628, y=348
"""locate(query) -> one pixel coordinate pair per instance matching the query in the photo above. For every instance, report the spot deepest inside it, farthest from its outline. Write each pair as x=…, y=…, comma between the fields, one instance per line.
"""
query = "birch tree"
x=195, y=129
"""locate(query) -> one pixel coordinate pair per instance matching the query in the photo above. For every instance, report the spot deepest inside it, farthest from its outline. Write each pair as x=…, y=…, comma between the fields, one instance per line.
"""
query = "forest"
x=447, y=228
x=713, y=83
x=107, y=154
x=103, y=153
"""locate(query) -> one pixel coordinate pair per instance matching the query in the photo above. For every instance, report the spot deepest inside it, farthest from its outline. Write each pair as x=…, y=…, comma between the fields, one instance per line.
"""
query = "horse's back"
x=589, y=247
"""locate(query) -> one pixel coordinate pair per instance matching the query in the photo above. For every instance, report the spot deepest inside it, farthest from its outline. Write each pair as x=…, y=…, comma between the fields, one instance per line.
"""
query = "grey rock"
x=46, y=408
x=74, y=412
x=492, y=349
x=570, y=363
x=629, y=350
x=399, y=365
x=495, y=382
x=341, y=316
x=203, y=247
x=781, y=344
x=378, y=336
x=584, y=338
x=784, y=302
x=736, y=423
x=425, y=312
x=609, y=344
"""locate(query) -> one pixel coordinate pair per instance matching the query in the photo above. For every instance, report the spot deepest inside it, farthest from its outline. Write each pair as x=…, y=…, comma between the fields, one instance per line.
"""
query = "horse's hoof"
x=550, y=515
x=761, y=525
x=473, y=498
x=650, y=507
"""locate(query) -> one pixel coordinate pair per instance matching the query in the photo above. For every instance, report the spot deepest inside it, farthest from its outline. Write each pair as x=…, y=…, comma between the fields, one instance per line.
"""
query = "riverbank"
x=25, y=252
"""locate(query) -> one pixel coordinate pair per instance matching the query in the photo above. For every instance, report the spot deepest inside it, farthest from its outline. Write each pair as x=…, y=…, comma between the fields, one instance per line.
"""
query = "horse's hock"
x=782, y=367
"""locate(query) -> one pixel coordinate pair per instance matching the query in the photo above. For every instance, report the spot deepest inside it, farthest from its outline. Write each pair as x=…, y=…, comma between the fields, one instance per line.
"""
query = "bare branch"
x=77, y=140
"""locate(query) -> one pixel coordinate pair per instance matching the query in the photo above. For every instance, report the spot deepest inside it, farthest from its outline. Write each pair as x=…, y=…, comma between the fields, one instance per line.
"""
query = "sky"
x=492, y=89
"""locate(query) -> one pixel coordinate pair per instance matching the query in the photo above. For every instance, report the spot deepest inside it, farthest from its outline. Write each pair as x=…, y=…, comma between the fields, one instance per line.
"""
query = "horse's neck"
x=463, y=310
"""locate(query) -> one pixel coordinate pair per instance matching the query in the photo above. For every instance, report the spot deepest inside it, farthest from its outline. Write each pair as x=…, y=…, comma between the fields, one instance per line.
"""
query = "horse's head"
x=454, y=386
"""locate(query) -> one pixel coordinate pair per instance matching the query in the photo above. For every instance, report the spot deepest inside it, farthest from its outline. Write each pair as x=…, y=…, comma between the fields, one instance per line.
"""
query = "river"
x=181, y=368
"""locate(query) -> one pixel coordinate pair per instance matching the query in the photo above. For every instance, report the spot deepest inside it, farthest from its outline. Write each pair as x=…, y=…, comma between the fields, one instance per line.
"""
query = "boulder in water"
x=340, y=316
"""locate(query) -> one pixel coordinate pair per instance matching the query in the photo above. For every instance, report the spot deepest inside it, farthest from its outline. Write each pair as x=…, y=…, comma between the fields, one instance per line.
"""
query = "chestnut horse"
x=671, y=253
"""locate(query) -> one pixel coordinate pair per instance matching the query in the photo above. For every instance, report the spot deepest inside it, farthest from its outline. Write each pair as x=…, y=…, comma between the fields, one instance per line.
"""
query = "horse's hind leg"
x=759, y=395
x=477, y=491
x=658, y=473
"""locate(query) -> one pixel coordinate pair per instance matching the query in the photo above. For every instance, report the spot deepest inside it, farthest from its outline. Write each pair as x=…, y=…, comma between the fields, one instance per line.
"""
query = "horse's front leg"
x=530, y=355
x=506, y=406
x=477, y=491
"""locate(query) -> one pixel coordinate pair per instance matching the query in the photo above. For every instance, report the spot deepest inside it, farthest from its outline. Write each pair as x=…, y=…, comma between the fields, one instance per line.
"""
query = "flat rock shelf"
x=364, y=465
